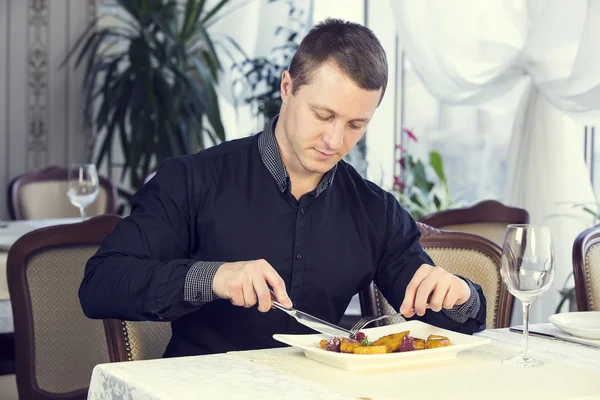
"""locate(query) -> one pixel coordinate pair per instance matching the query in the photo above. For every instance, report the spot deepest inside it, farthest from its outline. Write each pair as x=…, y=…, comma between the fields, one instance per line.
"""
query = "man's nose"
x=334, y=136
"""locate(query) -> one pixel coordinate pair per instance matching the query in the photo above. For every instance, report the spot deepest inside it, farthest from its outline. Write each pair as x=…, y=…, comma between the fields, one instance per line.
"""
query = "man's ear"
x=286, y=86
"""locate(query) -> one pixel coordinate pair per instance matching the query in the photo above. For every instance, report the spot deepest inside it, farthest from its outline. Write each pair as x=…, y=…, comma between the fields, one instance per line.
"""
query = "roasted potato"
x=435, y=341
x=372, y=350
x=348, y=345
x=420, y=344
x=392, y=341
x=322, y=343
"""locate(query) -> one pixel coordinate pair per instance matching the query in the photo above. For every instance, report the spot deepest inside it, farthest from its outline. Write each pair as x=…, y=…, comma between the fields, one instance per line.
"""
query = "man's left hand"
x=433, y=288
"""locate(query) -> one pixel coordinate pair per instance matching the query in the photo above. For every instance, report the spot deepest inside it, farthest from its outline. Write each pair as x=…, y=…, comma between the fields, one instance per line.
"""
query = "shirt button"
x=302, y=210
x=299, y=256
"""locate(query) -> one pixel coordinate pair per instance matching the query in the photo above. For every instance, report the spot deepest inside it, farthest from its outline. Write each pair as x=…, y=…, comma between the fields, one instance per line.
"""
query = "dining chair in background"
x=488, y=218
x=57, y=346
x=43, y=194
x=586, y=269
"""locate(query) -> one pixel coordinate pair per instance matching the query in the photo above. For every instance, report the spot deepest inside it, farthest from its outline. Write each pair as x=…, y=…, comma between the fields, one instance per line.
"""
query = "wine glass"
x=527, y=270
x=83, y=186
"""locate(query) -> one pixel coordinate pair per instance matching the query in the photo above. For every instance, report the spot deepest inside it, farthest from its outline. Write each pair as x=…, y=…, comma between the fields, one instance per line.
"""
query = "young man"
x=211, y=232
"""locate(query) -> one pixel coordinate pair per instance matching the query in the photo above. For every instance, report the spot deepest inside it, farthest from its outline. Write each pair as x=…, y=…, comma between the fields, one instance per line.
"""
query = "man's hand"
x=245, y=283
x=434, y=288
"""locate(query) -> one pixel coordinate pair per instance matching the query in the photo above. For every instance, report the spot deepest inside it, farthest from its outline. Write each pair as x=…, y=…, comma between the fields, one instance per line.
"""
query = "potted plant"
x=258, y=79
x=149, y=84
x=422, y=187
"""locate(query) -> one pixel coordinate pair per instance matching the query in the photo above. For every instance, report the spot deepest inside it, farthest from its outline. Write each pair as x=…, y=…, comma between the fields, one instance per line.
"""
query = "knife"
x=313, y=322
x=563, y=338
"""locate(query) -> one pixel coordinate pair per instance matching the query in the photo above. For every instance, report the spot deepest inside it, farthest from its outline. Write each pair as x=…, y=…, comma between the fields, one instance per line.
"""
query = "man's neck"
x=303, y=181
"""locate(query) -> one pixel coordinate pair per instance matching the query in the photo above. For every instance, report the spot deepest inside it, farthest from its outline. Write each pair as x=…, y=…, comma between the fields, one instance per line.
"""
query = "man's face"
x=325, y=119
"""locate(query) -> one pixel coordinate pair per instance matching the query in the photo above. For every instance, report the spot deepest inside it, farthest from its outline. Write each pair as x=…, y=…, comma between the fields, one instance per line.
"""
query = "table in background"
x=572, y=372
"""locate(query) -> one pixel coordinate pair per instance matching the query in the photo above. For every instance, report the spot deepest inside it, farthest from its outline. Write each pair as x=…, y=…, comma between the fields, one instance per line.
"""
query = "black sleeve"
x=140, y=269
x=401, y=256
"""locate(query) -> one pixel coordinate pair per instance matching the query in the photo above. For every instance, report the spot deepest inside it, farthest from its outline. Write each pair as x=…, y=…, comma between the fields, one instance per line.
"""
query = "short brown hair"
x=353, y=47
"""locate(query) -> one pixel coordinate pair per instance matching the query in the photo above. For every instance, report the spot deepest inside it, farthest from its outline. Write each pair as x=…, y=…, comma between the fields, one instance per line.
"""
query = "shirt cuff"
x=467, y=310
x=199, y=281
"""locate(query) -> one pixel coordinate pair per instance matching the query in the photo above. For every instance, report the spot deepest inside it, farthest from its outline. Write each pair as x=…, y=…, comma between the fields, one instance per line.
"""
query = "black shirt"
x=224, y=204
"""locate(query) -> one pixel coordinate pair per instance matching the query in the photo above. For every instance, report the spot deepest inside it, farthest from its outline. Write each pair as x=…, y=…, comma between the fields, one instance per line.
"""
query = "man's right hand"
x=245, y=283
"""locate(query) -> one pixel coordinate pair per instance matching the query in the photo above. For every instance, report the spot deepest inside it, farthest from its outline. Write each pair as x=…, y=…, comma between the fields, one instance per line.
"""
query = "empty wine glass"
x=83, y=186
x=527, y=270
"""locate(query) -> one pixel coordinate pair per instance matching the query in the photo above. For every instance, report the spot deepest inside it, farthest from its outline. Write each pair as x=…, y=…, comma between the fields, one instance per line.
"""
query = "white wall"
x=40, y=118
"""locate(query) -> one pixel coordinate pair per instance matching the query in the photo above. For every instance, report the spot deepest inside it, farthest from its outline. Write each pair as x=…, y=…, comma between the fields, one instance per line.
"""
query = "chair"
x=487, y=218
x=586, y=269
x=57, y=346
x=136, y=340
x=465, y=254
x=43, y=194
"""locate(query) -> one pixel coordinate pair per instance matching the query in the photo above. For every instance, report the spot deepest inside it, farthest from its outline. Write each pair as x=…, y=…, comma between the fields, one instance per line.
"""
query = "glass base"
x=524, y=361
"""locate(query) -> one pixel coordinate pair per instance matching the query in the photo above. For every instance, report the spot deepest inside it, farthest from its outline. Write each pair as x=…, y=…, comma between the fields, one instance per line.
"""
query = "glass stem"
x=82, y=212
x=526, y=306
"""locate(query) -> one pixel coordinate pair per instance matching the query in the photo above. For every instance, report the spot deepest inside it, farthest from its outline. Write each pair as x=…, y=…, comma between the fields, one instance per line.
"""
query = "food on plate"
x=371, y=350
x=434, y=341
x=394, y=343
x=348, y=345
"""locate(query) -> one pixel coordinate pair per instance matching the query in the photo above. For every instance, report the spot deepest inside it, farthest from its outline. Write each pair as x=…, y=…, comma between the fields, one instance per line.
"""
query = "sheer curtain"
x=537, y=58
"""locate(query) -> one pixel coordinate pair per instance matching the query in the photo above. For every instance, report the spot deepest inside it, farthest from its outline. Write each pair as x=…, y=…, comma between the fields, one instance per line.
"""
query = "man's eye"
x=321, y=117
x=356, y=128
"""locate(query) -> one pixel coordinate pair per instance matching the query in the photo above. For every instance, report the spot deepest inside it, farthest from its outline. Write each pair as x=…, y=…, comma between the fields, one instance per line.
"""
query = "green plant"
x=259, y=78
x=149, y=84
x=422, y=188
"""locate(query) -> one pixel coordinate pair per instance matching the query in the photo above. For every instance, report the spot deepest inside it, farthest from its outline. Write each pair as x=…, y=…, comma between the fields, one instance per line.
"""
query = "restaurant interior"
x=485, y=136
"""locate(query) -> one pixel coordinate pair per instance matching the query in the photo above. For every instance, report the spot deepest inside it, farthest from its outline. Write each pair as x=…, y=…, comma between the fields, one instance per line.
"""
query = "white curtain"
x=540, y=58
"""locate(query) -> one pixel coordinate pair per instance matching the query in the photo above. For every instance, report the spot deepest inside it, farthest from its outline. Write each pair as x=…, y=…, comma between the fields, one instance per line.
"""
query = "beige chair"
x=586, y=269
x=57, y=346
x=43, y=194
x=487, y=218
x=139, y=340
x=472, y=256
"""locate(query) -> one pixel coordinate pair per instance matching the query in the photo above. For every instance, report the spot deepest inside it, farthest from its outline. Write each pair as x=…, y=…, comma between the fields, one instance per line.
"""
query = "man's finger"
x=408, y=304
x=249, y=294
x=425, y=289
x=451, y=298
x=236, y=293
x=436, y=300
x=278, y=285
x=263, y=294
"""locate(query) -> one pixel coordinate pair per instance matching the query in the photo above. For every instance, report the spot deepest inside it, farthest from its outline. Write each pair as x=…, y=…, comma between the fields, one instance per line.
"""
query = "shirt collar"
x=271, y=157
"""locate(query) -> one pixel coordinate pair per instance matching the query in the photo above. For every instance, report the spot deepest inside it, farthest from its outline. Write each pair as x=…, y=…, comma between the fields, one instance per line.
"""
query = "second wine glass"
x=528, y=271
x=83, y=186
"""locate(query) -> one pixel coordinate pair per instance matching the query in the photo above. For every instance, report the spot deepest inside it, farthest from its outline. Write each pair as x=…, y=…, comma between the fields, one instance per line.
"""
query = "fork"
x=367, y=320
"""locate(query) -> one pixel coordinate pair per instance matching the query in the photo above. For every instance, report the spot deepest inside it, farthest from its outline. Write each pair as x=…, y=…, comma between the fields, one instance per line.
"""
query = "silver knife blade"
x=313, y=322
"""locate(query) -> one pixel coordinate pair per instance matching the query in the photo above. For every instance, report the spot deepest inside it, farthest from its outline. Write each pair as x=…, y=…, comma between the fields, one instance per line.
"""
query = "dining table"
x=571, y=371
x=10, y=232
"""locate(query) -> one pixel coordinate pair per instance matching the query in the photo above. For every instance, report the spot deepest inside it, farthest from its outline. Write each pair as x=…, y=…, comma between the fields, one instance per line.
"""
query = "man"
x=212, y=232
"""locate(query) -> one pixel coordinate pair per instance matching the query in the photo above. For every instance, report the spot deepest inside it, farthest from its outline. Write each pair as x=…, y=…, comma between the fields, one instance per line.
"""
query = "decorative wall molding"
x=40, y=101
x=37, y=84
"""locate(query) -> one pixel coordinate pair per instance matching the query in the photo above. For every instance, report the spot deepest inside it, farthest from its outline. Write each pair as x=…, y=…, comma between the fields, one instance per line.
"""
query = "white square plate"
x=310, y=345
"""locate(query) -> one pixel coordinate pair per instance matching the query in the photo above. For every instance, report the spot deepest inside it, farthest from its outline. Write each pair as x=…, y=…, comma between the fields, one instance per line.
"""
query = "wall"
x=40, y=118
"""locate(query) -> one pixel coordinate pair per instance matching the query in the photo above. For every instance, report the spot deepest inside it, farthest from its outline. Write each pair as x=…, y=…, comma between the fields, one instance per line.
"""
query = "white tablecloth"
x=14, y=231
x=572, y=372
